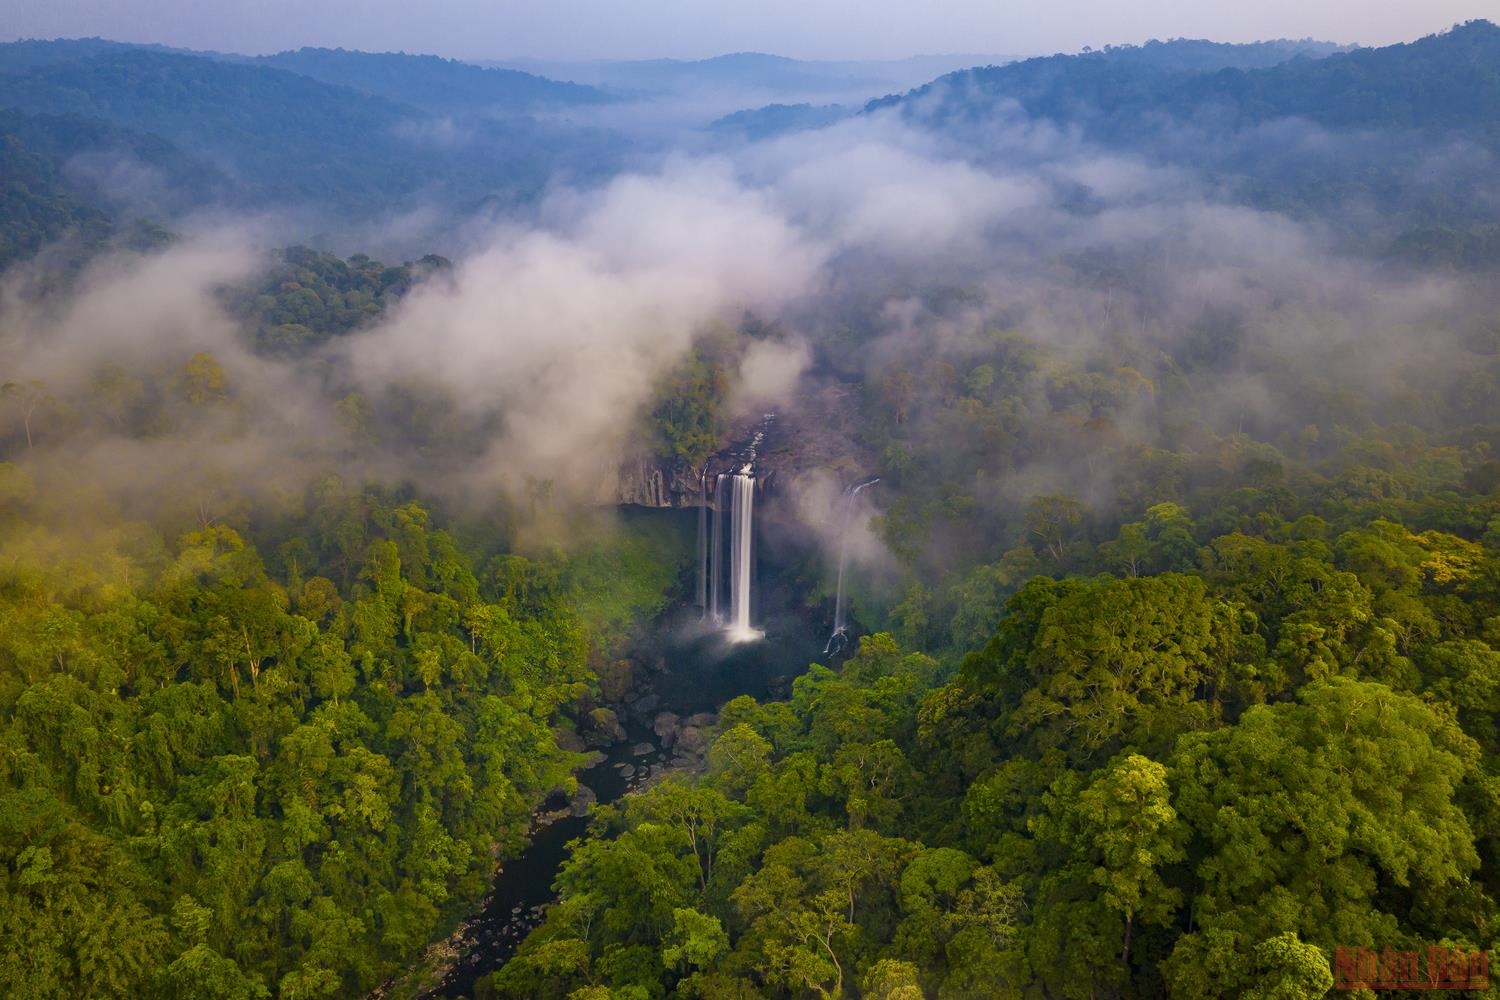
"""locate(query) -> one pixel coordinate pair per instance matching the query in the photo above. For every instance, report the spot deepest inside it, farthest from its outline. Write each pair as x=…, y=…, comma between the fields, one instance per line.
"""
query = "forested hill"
x=1400, y=137
x=288, y=139
x=42, y=201
x=261, y=121
x=36, y=207
x=431, y=82
x=182, y=95
x=1450, y=80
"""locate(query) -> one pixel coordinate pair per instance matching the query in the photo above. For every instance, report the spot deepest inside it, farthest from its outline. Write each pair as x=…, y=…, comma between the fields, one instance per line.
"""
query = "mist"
x=527, y=367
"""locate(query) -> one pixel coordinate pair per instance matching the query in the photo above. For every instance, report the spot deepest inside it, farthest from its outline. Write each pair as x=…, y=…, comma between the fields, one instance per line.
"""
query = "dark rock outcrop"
x=652, y=481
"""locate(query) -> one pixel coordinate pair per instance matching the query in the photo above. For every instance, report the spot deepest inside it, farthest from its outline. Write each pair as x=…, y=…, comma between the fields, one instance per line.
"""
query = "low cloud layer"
x=540, y=348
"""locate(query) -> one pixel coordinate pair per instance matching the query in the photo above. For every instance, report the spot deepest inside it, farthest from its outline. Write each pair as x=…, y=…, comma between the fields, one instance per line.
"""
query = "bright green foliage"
x=214, y=784
x=1166, y=783
x=690, y=418
x=1308, y=815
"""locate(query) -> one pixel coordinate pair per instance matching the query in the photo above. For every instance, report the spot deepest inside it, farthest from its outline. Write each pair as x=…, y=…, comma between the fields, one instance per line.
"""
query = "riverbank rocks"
x=569, y=740
x=605, y=728
x=686, y=738
x=691, y=742
x=616, y=681
x=582, y=801
x=665, y=728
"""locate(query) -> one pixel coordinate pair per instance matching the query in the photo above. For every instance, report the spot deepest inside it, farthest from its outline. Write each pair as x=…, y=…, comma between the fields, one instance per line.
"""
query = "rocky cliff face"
x=816, y=434
x=652, y=481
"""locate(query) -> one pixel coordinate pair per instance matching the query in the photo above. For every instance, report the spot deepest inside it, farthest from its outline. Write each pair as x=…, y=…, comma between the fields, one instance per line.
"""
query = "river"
x=704, y=671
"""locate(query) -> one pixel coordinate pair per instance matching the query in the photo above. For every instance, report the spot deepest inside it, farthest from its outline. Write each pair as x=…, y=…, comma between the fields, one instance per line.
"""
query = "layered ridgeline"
x=338, y=135
x=345, y=135
x=1393, y=146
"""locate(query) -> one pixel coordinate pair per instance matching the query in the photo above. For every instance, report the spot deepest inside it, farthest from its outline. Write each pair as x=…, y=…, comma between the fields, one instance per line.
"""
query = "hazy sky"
x=580, y=29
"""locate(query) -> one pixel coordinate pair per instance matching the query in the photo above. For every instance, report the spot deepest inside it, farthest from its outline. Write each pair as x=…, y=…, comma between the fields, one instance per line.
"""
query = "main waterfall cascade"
x=840, y=637
x=734, y=499
x=741, y=525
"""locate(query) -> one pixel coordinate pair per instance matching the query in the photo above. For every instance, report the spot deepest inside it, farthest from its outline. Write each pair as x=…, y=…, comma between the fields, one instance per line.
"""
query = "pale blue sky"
x=831, y=29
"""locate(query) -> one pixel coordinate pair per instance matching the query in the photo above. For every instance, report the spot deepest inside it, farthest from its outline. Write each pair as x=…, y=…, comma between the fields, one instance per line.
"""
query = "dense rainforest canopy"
x=1179, y=596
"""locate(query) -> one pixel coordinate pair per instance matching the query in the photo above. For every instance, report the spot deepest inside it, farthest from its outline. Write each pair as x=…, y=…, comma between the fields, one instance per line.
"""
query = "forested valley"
x=1174, y=595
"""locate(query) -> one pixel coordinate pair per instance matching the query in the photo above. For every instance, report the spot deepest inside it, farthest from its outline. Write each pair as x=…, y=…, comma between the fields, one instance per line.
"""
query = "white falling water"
x=840, y=636
x=741, y=528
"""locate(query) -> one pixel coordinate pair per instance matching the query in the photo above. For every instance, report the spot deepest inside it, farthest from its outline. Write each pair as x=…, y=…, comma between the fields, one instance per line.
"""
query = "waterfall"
x=741, y=536
x=727, y=521
x=716, y=550
x=840, y=636
x=729, y=604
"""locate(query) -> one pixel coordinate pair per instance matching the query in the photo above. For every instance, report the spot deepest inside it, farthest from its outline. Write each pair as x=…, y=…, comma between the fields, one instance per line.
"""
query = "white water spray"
x=741, y=526
x=730, y=606
x=840, y=637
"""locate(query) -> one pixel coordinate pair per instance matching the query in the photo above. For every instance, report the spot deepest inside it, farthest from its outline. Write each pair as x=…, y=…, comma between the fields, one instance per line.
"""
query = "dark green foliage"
x=307, y=297
x=180, y=180
x=288, y=138
x=1437, y=82
x=263, y=119
x=690, y=417
x=778, y=119
x=1305, y=132
x=37, y=208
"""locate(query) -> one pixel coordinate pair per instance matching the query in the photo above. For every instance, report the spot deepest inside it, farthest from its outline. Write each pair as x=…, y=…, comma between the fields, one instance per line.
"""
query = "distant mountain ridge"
x=758, y=71
x=1394, y=146
x=778, y=119
x=432, y=82
x=365, y=135
x=252, y=121
x=1450, y=78
x=281, y=138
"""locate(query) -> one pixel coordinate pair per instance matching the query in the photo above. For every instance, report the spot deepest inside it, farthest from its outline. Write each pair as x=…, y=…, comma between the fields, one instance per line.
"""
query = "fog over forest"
x=358, y=410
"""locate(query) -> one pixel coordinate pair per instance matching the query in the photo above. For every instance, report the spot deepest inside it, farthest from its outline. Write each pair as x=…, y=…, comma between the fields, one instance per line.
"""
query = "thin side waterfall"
x=742, y=527
x=840, y=636
x=716, y=550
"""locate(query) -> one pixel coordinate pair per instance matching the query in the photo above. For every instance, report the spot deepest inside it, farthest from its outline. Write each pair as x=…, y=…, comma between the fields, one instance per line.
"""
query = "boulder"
x=605, y=728
x=691, y=742
x=665, y=727
x=582, y=800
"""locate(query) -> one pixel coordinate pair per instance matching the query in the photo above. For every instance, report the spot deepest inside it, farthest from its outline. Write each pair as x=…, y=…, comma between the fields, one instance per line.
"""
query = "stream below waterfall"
x=703, y=671
x=523, y=886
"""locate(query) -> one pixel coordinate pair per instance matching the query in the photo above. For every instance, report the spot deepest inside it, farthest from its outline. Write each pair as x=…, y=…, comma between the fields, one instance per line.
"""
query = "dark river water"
x=703, y=672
